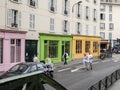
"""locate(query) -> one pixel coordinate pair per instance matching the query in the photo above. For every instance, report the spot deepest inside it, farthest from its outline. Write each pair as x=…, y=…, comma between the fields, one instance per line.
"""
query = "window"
x=102, y=7
x=65, y=7
x=87, y=12
x=95, y=47
x=18, y=1
x=94, y=14
x=102, y=16
x=33, y=3
x=14, y=18
x=110, y=35
x=110, y=17
x=65, y=26
x=102, y=25
x=78, y=46
x=102, y=34
x=110, y=8
x=15, y=50
x=78, y=28
x=78, y=10
x=111, y=26
x=32, y=21
x=1, y=50
x=53, y=49
x=53, y=5
x=51, y=24
x=87, y=46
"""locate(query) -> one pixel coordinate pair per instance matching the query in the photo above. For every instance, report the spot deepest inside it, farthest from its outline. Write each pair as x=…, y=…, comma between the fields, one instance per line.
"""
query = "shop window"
x=15, y=50
x=53, y=49
x=78, y=46
x=1, y=50
x=95, y=47
x=67, y=47
x=87, y=46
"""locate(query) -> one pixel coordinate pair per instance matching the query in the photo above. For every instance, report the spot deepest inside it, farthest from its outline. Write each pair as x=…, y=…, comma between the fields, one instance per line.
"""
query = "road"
x=77, y=78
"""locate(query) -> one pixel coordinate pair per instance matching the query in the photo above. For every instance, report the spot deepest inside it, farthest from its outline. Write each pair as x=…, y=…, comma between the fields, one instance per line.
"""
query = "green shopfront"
x=53, y=46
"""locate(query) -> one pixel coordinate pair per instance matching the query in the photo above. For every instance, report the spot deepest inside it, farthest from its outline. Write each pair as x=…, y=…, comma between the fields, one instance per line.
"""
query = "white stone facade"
x=36, y=18
x=111, y=17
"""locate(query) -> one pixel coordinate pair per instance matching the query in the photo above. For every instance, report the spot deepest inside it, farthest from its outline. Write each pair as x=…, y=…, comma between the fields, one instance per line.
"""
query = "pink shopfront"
x=12, y=48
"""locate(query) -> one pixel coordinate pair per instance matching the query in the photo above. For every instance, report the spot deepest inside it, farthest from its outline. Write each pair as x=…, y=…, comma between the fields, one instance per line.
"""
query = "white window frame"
x=111, y=26
x=102, y=26
x=52, y=7
x=102, y=7
x=35, y=3
x=102, y=35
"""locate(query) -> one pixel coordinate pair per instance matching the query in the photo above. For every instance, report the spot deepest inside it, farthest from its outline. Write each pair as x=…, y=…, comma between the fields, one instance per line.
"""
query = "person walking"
x=85, y=61
x=65, y=56
x=35, y=59
x=90, y=59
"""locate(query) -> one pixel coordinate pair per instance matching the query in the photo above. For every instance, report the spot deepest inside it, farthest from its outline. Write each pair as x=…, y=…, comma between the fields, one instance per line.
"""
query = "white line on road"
x=63, y=69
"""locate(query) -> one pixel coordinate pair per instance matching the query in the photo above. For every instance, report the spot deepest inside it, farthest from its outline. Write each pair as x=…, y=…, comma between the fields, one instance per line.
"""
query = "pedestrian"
x=85, y=61
x=90, y=59
x=65, y=56
x=35, y=59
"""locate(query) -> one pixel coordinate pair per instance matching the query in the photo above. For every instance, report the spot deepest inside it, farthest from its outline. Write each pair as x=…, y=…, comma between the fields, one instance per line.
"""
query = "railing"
x=31, y=81
x=105, y=83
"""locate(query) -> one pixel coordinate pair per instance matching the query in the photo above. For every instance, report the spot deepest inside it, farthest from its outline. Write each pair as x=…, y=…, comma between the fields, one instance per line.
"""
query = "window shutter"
x=36, y=3
x=76, y=27
x=28, y=2
x=55, y=5
x=19, y=19
x=33, y=21
x=10, y=17
x=63, y=25
x=68, y=26
x=68, y=6
x=88, y=13
x=80, y=11
x=49, y=4
x=19, y=1
x=76, y=11
x=63, y=6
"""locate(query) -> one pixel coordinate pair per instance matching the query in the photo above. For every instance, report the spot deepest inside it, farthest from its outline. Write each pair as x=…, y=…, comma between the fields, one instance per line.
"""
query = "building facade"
x=109, y=22
x=54, y=17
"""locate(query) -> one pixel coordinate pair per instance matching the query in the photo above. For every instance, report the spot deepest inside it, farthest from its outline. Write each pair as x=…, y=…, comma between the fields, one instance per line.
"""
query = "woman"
x=85, y=60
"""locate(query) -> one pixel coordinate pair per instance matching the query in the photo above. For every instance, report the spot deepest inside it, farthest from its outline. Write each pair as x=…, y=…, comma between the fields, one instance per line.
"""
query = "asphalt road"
x=77, y=78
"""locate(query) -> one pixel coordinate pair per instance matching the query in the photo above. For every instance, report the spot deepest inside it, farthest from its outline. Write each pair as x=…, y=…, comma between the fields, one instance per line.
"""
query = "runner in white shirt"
x=90, y=59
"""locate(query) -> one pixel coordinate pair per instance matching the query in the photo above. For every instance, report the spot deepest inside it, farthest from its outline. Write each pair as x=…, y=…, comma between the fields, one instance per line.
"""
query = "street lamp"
x=74, y=5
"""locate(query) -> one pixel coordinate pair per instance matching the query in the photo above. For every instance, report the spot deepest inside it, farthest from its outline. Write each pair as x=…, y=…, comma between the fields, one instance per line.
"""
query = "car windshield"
x=18, y=68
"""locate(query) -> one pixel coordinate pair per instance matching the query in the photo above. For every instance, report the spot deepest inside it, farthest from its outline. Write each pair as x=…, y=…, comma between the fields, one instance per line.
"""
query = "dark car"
x=116, y=49
x=23, y=68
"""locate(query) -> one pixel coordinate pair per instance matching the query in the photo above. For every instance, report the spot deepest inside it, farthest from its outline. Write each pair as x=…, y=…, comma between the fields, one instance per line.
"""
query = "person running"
x=90, y=59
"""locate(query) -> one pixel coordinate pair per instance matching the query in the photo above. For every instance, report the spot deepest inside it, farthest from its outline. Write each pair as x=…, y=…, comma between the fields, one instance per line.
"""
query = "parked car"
x=23, y=68
x=116, y=49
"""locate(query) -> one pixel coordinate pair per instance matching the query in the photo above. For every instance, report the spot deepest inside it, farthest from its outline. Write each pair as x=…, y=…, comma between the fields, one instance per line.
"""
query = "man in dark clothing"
x=65, y=58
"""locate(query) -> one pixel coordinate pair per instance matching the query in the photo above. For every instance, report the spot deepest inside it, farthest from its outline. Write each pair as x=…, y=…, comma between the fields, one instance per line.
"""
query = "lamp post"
x=110, y=48
x=74, y=5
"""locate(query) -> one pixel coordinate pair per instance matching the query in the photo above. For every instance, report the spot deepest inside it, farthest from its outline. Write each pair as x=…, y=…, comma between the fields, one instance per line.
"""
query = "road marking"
x=74, y=70
x=63, y=69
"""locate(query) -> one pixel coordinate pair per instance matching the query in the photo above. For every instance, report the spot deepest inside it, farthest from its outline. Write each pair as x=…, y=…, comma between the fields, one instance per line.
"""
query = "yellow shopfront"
x=83, y=44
